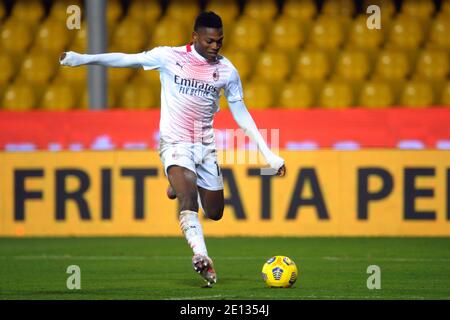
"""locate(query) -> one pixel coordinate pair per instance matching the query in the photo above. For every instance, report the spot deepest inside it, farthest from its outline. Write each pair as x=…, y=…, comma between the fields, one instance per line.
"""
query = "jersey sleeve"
x=154, y=58
x=233, y=89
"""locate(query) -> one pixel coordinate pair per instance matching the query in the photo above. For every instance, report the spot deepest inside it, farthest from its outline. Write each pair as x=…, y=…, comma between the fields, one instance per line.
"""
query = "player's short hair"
x=207, y=20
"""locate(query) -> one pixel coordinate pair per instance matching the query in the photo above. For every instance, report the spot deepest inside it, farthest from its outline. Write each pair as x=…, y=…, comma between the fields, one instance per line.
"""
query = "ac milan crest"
x=216, y=75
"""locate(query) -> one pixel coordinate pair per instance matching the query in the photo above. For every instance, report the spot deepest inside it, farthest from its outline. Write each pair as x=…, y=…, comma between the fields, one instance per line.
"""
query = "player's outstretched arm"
x=246, y=123
x=119, y=60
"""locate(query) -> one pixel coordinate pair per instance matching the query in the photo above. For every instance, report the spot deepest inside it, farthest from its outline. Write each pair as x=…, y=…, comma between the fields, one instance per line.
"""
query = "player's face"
x=208, y=42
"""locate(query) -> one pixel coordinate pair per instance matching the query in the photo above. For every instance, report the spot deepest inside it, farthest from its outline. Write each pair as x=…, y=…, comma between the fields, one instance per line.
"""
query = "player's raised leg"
x=184, y=183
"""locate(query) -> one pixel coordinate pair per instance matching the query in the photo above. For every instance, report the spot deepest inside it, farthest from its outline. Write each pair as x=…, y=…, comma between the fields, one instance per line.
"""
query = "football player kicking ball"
x=191, y=79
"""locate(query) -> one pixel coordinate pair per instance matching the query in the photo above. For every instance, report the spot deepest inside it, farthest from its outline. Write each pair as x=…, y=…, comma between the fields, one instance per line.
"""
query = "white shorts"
x=200, y=159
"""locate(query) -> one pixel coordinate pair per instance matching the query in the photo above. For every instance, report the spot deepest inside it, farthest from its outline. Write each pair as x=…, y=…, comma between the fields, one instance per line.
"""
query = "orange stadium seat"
x=261, y=10
x=296, y=95
x=417, y=94
x=15, y=36
x=28, y=11
x=376, y=94
x=439, y=32
x=228, y=10
x=58, y=97
x=241, y=61
x=130, y=36
x=19, y=97
x=258, y=95
x=286, y=35
x=272, y=67
x=138, y=96
x=336, y=95
x=184, y=11
x=247, y=34
x=445, y=95
x=169, y=32
x=147, y=12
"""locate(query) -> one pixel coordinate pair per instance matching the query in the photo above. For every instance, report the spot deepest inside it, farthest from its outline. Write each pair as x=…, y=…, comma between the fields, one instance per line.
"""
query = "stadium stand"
x=308, y=52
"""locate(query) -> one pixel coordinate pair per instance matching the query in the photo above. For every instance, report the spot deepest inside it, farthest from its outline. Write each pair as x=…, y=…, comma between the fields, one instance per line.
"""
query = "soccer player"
x=192, y=77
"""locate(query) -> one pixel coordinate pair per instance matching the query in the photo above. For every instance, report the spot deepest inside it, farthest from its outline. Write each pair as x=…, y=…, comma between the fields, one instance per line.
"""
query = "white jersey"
x=190, y=91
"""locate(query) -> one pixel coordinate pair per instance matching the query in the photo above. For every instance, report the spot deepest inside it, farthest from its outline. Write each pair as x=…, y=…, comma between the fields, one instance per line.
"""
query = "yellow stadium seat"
x=387, y=7
x=261, y=10
x=79, y=43
x=361, y=37
x=336, y=95
x=75, y=77
x=312, y=65
x=392, y=65
x=338, y=8
x=258, y=95
x=58, y=10
x=286, y=35
x=52, y=36
x=58, y=98
x=183, y=10
x=417, y=94
x=439, y=32
x=15, y=36
x=169, y=32
x=135, y=96
x=326, y=34
x=7, y=69
x=2, y=11
x=28, y=11
x=405, y=33
x=302, y=10
x=19, y=97
x=228, y=10
x=352, y=65
x=375, y=94
x=148, y=12
x=420, y=9
x=38, y=69
x=296, y=95
x=241, y=61
x=130, y=36
x=114, y=11
x=117, y=77
x=272, y=67
x=248, y=34
x=433, y=65
x=445, y=95
x=445, y=8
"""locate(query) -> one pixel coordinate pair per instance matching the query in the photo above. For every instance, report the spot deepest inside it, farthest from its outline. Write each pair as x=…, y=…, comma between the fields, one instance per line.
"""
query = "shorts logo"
x=175, y=155
x=216, y=75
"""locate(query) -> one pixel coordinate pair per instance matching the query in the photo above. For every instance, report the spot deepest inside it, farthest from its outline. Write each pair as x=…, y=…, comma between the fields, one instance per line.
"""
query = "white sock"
x=192, y=230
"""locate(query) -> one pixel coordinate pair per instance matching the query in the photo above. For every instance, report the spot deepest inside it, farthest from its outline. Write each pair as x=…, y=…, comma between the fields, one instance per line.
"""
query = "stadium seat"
x=228, y=10
x=114, y=11
x=352, y=65
x=296, y=95
x=439, y=33
x=311, y=65
x=336, y=95
x=138, y=96
x=19, y=97
x=272, y=67
x=58, y=10
x=184, y=11
x=326, y=34
x=75, y=77
x=258, y=95
x=286, y=35
x=361, y=37
x=130, y=36
x=147, y=12
x=247, y=35
x=169, y=32
x=2, y=11
x=338, y=8
x=445, y=8
x=421, y=9
x=15, y=36
x=241, y=61
x=302, y=10
x=7, y=67
x=38, y=69
x=387, y=11
x=445, y=95
x=417, y=94
x=117, y=77
x=406, y=33
x=432, y=65
x=58, y=97
x=263, y=11
x=52, y=36
x=376, y=94
x=28, y=11
x=79, y=43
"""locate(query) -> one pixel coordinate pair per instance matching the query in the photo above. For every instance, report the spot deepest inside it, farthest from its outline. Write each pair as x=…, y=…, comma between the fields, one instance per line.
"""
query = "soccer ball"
x=279, y=272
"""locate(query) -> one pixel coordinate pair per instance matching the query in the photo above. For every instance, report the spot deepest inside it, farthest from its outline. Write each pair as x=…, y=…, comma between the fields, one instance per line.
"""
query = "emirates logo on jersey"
x=216, y=75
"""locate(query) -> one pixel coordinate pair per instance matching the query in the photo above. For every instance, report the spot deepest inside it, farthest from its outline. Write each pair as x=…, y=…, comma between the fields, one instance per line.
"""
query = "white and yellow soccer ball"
x=279, y=272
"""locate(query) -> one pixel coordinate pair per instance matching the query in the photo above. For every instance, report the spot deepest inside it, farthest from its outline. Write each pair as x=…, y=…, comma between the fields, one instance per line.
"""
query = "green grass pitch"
x=160, y=268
